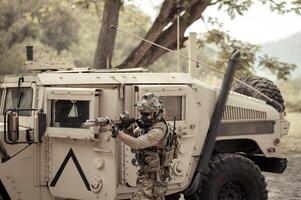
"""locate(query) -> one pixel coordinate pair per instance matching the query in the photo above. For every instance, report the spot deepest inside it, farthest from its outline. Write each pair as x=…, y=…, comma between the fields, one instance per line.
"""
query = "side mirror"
x=13, y=126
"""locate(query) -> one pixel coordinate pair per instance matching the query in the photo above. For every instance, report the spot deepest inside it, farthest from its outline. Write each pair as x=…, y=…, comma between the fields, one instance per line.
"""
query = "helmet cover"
x=150, y=103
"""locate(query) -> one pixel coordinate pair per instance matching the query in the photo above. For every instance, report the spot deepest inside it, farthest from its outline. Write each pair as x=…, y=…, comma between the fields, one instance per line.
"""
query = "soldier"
x=149, y=141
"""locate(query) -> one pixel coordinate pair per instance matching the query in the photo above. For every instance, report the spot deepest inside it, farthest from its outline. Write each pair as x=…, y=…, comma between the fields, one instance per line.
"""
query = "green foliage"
x=234, y=7
x=59, y=29
x=82, y=52
x=131, y=18
x=169, y=62
x=86, y=4
x=281, y=69
x=225, y=45
x=32, y=22
x=14, y=29
x=11, y=59
x=283, y=7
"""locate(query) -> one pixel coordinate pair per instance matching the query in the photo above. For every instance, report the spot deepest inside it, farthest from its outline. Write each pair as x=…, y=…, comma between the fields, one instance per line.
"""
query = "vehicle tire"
x=231, y=177
x=263, y=85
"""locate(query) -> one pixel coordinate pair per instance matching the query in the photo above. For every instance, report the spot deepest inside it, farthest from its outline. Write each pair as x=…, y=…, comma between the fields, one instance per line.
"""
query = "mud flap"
x=273, y=165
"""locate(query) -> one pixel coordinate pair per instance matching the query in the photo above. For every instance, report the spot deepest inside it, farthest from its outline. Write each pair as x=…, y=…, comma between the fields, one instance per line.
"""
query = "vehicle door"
x=80, y=166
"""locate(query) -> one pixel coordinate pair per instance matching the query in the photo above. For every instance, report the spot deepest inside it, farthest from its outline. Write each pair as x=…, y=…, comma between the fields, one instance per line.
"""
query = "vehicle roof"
x=106, y=77
x=114, y=78
x=103, y=78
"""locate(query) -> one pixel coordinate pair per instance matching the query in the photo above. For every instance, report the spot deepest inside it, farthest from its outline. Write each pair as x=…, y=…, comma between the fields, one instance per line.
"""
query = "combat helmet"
x=150, y=103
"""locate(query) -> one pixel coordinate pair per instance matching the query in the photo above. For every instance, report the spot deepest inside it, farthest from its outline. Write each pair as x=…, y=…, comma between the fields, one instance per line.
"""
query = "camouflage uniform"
x=149, y=144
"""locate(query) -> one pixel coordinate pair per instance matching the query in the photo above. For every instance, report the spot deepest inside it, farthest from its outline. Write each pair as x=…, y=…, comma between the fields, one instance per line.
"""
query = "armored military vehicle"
x=46, y=153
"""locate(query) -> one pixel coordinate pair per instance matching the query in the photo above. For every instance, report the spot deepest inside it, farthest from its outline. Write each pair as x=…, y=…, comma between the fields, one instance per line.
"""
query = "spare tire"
x=264, y=86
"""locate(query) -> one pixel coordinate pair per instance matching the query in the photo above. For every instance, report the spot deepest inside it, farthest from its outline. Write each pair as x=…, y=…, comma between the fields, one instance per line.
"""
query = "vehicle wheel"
x=231, y=177
x=263, y=85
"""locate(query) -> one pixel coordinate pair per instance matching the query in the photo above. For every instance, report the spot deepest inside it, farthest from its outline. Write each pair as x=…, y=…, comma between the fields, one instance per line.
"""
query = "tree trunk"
x=107, y=35
x=168, y=38
x=146, y=54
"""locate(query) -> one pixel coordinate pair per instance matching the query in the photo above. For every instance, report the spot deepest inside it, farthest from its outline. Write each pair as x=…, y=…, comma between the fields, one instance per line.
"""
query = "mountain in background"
x=287, y=50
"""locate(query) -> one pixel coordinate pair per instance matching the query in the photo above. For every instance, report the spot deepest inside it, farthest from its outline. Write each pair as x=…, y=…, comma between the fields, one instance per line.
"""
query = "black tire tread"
x=263, y=85
x=228, y=161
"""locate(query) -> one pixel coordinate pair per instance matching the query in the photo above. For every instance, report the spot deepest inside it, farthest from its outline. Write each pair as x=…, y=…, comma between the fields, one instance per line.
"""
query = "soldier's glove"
x=115, y=131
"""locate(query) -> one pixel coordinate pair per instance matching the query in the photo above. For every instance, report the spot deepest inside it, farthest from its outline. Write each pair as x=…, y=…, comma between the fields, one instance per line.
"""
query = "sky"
x=259, y=25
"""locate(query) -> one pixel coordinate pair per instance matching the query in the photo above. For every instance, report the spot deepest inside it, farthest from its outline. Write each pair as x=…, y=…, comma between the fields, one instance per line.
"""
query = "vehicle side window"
x=173, y=107
x=69, y=113
x=13, y=96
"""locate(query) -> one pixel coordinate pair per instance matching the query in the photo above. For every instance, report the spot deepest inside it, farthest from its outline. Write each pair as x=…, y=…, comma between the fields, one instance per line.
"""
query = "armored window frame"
x=166, y=91
x=77, y=94
x=173, y=107
x=70, y=107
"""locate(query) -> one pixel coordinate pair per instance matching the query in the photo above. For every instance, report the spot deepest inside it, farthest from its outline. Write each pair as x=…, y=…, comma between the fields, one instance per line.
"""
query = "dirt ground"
x=286, y=186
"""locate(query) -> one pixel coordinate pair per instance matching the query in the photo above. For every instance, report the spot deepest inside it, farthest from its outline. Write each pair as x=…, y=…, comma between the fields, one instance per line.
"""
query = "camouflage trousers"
x=150, y=189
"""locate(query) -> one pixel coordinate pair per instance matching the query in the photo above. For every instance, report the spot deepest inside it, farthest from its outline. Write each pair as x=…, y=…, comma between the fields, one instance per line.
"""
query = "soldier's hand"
x=115, y=131
x=124, y=116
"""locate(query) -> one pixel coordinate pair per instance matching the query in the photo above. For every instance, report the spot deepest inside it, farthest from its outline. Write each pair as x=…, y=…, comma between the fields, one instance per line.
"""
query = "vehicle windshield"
x=12, y=99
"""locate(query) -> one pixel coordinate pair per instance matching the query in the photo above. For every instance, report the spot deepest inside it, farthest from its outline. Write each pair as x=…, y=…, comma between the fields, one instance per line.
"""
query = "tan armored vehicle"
x=46, y=153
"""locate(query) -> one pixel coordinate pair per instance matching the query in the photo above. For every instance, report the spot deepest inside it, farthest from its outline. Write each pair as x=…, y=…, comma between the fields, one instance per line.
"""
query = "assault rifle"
x=171, y=137
x=123, y=123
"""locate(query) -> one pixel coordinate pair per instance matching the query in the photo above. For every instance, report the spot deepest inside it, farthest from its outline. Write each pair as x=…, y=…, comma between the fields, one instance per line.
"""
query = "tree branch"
x=167, y=11
x=168, y=38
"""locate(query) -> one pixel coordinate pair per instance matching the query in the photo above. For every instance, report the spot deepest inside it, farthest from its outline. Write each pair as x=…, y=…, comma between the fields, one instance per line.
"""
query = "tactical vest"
x=154, y=159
